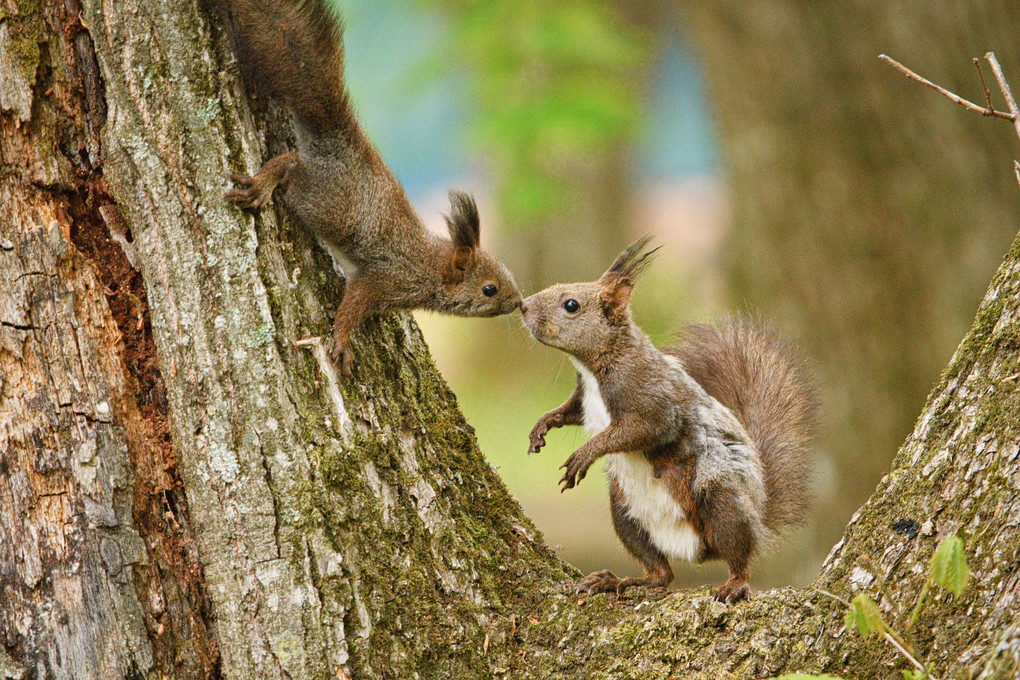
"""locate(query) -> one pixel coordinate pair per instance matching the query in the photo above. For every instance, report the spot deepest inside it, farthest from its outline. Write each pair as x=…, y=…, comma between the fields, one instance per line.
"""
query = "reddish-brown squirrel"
x=337, y=185
x=705, y=441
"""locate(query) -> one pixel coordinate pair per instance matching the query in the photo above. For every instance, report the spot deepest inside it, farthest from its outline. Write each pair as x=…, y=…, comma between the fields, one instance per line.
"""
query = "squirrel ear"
x=618, y=281
x=463, y=220
x=461, y=262
x=629, y=263
x=614, y=298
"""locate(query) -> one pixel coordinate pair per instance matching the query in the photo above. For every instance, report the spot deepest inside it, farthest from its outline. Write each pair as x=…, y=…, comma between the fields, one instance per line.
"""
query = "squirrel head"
x=588, y=319
x=474, y=282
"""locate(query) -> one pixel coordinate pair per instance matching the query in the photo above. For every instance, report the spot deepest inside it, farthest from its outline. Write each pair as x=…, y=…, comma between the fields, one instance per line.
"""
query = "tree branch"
x=1007, y=94
x=984, y=86
x=943, y=91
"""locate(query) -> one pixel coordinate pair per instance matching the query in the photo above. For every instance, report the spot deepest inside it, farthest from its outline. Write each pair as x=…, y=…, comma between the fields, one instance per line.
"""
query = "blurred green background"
x=780, y=166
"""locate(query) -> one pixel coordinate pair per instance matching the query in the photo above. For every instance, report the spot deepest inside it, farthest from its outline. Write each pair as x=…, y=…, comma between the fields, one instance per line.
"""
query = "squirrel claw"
x=252, y=193
x=731, y=592
x=603, y=581
x=344, y=357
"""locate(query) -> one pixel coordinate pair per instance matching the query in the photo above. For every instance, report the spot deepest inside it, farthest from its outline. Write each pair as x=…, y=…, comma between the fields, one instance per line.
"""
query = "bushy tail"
x=293, y=50
x=744, y=364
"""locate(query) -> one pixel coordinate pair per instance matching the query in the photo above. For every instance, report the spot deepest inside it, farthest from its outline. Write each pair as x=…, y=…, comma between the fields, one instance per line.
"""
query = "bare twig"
x=1006, y=93
x=328, y=370
x=837, y=598
x=988, y=93
x=892, y=639
x=943, y=91
x=1014, y=110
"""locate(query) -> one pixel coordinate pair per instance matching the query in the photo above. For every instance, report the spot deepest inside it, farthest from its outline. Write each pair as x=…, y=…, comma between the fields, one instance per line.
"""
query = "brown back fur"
x=294, y=49
x=746, y=366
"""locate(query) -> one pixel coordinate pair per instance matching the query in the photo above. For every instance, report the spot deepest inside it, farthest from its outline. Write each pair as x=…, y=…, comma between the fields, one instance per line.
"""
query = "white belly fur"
x=648, y=500
x=341, y=264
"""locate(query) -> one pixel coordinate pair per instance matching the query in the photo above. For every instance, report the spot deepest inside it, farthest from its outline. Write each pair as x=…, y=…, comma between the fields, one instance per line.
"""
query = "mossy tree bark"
x=187, y=490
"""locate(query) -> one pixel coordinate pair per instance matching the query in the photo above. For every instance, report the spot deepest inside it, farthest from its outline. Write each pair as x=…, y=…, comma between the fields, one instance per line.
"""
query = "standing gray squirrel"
x=705, y=441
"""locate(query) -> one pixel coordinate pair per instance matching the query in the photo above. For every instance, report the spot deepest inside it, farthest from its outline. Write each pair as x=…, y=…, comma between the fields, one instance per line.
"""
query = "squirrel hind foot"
x=606, y=581
x=603, y=581
x=732, y=591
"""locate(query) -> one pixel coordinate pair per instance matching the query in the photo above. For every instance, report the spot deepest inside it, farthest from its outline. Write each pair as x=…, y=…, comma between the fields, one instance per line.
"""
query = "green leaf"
x=912, y=674
x=949, y=566
x=865, y=616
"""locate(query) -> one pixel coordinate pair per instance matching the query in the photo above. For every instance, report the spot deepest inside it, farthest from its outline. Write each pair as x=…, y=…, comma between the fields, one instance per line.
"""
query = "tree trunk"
x=324, y=529
x=187, y=491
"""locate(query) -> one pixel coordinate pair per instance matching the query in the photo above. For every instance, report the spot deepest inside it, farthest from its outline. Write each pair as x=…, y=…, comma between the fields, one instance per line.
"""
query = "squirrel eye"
x=571, y=306
x=488, y=290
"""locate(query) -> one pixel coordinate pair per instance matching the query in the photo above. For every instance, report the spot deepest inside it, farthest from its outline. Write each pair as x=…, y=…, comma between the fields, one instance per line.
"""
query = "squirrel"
x=705, y=441
x=338, y=186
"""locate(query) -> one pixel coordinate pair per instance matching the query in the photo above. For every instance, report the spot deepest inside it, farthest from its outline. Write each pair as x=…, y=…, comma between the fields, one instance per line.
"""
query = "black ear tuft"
x=463, y=220
x=631, y=262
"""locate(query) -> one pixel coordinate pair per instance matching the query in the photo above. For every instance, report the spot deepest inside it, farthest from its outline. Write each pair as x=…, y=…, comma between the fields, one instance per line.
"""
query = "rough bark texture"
x=185, y=492
x=98, y=574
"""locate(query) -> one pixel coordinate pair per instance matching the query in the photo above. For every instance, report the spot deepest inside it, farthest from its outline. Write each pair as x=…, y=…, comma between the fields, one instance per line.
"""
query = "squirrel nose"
x=524, y=306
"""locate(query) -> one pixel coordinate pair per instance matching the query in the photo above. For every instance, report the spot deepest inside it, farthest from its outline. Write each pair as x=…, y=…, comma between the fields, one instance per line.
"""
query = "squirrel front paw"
x=253, y=192
x=576, y=467
x=537, y=436
x=541, y=429
x=343, y=355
